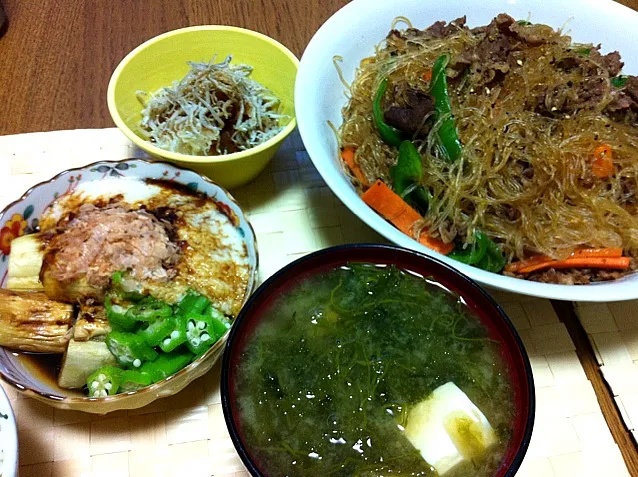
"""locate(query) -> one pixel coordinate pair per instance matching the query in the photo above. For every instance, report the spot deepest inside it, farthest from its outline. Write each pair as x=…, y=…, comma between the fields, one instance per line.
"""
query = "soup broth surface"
x=327, y=380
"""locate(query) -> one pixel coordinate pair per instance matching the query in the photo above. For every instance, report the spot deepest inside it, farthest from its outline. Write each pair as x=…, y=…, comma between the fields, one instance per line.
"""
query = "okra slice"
x=104, y=382
x=149, y=309
x=116, y=313
x=132, y=380
x=129, y=349
x=166, y=365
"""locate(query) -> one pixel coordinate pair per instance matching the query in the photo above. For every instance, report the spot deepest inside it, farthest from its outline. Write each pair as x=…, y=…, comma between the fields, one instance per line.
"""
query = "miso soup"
x=345, y=369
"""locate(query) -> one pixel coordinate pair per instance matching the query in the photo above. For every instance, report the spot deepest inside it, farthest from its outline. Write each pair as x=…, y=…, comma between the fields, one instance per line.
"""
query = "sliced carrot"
x=603, y=165
x=596, y=252
x=394, y=209
x=613, y=263
x=517, y=267
x=348, y=156
x=427, y=76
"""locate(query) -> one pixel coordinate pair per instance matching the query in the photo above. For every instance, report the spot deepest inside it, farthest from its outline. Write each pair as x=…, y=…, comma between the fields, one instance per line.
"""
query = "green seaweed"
x=336, y=366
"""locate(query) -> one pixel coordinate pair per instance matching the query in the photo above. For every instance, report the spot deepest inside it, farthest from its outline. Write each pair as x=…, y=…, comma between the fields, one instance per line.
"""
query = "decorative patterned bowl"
x=163, y=59
x=22, y=217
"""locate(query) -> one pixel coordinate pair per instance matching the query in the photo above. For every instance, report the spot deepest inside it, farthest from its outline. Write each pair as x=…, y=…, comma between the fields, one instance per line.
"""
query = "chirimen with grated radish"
x=215, y=109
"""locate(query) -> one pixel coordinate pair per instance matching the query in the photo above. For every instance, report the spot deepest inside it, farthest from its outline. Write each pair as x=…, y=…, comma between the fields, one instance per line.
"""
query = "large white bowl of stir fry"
x=501, y=138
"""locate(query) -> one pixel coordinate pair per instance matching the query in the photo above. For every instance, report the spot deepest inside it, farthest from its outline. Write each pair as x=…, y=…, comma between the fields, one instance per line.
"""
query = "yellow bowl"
x=163, y=59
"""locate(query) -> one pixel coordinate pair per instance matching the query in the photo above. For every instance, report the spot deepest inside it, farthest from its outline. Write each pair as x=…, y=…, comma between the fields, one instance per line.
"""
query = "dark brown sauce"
x=45, y=368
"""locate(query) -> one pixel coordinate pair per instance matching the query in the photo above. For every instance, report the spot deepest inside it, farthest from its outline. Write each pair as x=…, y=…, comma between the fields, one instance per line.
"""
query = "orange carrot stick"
x=394, y=209
x=516, y=267
x=613, y=263
x=603, y=165
x=596, y=252
x=348, y=156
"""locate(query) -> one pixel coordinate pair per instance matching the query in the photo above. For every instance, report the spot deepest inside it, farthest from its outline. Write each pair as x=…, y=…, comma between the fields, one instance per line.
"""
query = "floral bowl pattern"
x=22, y=217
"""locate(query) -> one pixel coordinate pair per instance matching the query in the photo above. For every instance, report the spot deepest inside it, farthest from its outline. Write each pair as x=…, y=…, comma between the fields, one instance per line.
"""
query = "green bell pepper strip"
x=193, y=302
x=389, y=134
x=474, y=253
x=494, y=260
x=200, y=332
x=448, y=135
x=619, y=81
x=104, y=382
x=408, y=169
x=149, y=310
x=158, y=330
x=133, y=380
x=166, y=365
x=406, y=175
x=117, y=315
x=129, y=349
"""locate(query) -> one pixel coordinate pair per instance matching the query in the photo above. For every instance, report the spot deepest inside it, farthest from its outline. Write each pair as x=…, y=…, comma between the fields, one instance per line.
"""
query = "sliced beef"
x=488, y=60
x=441, y=29
x=533, y=35
x=631, y=87
x=624, y=101
x=620, y=102
x=612, y=63
x=567, y=98
x=408, y=110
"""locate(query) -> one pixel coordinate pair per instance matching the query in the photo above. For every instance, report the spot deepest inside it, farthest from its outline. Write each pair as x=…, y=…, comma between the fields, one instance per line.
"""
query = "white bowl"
x=8, y=438
x=354, y=31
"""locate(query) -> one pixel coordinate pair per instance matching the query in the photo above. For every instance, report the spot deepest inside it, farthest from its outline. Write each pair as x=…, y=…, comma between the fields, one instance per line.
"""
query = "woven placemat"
x=294, y=213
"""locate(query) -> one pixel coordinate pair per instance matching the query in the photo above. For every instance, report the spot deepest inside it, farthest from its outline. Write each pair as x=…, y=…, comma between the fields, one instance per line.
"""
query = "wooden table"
x=56, y=57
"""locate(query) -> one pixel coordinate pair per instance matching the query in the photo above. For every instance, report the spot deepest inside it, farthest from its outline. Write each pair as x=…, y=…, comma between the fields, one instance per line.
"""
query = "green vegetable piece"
x=104, y=382
x=132, y=380
x=448, y=135
x=129, y=349
x=408, y=169
x=406, y=175
x=166, y=365
x=494, y=260
x=524, y=23
x=117, y=283
x=220, y=323
x=583, y=51
x=158, y=330
x=389, y=134
x=176, y=337
x=199, y=331
x=149, y=310
x=193, y=302
x=474, y=253
x=117, y=315
x=619, y=81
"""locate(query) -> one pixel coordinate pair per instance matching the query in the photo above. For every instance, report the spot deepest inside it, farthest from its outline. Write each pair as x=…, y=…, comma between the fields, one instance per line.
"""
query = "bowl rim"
x=228, y=406
x=176, y=156
x=154, y=386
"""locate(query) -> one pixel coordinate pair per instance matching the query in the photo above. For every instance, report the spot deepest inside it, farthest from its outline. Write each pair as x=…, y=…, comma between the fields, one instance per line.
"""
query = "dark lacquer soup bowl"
x=375, y=360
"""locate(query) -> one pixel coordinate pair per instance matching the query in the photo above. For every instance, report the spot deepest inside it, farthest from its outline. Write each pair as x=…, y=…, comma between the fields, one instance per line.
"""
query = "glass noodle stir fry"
x=215, y=109
x=507, y=147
